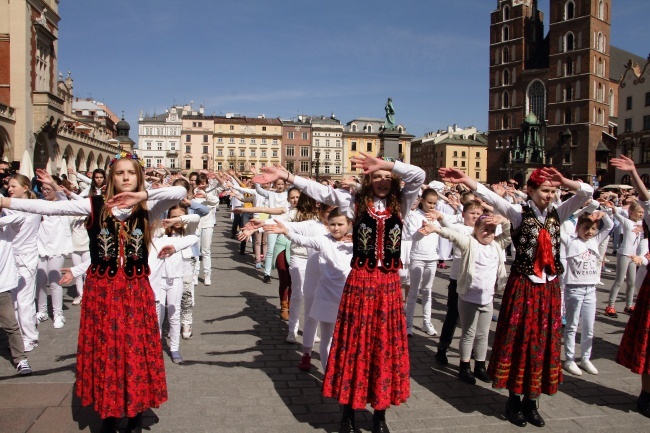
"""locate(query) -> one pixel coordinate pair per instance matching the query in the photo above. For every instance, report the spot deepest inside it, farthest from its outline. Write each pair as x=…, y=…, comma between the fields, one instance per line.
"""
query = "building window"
x=327, y=143
x=505, y=34
x=462, y=163
x=455, y=163
x=317, y=142
x=220, y=165
x=242, y=141
x=569, y=42
x=232, y=128
x=159, y=145
x=220, y=140
x=506, y=77
x=205, y=164
x=478, y=164
x=205, y=138
x=337, y=156
x=506, y=13
x=274, y=153
x=231, y=152
x=369, y=147
x=537, y=99
x=567, y=116
x=241, y=166
x=148, y=146
x=290, y=151
x=337, y=169
x=188, y=149
x=478, y=155
x=646, y=122
x=275, y=141
x=263, y=128
x=290, y=135
x=327, y=169
x=304, y=166
x=353, y=146
x=253, y=141
x=219, y=152
x=304, y=136
x=242, y=152
x=628, y=125
x=188, y=138
x=159, y=162
x=462, y=154
x=647, y=99
x=263, y=140
x=568, y=66
x=569, y=11
x=172, y=163
x=506, y=100
x=205, y=149
x=601, y=10
x=568, y=92
x=304, y=151
x=252, y=152
x=148, y=162
x=327, y=155
x=506, y=55
x=478, y=175
x=231, y=140
x=628, y=103
x=188, y=164
x=263, y=151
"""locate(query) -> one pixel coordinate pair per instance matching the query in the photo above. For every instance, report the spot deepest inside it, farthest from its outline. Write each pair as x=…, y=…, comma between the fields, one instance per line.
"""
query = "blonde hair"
x=24, y=182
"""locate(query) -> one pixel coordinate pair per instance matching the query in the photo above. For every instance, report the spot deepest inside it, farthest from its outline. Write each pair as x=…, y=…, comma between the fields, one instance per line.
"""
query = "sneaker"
x=186, y=331
x=41, y=317
x=195, y=281
x=572, y=368
x=59, y=321
x=206, y=280
x=429, y=329
x=442, y=265
x=600, y=283
x=305, y=362
x=563, y=321
x=259, y=265
x=76, y=301
x=495, y=318
x=31, y=345
x=267, y=279
x=176, y=357
x=610, y=311
x=316, y=339
x=629, y=310
x=587, y=366
x=291, y=338
x=608, y=270
x=23, y=368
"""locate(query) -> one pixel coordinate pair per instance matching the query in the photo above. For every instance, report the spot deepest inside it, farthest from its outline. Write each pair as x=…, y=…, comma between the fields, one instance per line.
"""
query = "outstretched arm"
x=624, y=163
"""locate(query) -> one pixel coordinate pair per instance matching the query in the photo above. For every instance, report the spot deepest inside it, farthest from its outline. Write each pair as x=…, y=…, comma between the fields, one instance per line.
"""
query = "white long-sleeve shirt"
x=334, y=259
x=424, y=247
x=583, y=257
x=21, y=229
x=168, y=267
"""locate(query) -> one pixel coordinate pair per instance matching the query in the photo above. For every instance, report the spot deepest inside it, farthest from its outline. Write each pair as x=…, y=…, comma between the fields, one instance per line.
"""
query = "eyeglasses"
x=46, y=191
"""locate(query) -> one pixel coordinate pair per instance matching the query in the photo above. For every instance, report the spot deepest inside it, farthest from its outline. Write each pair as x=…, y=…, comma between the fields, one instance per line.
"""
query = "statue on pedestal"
x=389, y=123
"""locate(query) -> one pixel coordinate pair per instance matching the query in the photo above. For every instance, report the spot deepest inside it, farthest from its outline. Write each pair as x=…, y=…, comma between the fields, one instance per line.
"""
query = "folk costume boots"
x=347, y=420
x=379, y=422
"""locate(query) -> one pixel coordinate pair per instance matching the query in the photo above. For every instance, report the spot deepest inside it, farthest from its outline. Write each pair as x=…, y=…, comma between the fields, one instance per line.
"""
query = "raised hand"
x=43, y=176
x=553, y=176
x=254, y=224
x=125, y=200
x=168, y=222
x=166, y=251
x=369, y=163
x=452, y=175
x=623, y=163
x=269, y=174
x=277, y=228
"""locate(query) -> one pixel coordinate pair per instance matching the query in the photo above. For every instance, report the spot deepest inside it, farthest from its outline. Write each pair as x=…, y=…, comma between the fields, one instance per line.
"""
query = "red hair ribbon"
x=544, y=255
x=537, y=177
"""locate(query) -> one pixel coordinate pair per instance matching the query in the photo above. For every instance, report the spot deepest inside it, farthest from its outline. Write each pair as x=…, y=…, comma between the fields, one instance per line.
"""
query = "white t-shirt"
x=481, y=289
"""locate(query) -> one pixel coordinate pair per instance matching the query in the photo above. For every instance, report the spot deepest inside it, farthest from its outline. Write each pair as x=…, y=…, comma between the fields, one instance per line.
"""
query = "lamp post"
x=316, y=163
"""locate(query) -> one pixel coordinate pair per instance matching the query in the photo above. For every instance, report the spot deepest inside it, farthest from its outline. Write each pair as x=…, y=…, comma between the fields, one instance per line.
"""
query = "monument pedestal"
x=390, y=143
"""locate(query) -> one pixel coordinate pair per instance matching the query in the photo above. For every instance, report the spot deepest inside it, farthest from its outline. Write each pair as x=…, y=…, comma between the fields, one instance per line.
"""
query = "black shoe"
x=514, y=411
x=481, y=373
x=531, y=414
x=643, y=404
x=135, y=424
x=441, y=357
x=347, y=421
x=267, y=279
x=379, y=422
x=109, y=425
x=465, y=373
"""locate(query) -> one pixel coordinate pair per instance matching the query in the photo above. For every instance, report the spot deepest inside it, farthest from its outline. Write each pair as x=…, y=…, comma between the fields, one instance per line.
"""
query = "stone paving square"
x=239, y=374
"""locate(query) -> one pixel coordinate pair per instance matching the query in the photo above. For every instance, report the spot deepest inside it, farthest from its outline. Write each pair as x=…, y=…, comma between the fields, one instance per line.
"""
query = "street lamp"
x=316, y=163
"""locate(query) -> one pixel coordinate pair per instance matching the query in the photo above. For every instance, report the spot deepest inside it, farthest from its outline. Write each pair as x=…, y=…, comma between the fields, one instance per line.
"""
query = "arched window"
x=611, y=103
x=600, y=96
x=506, y=55
x=567, y=116
x=354, y=127
x=369, y=128
x=536, y=96
x=506, y=122
x=505, y=33
x=506, y=13
x=568, y=92
x=569, y=42
x=506, y=99
x=569, y=66
x=601, y=9
x=601, y=117
x=506, y=77
x=599, y=42
x=569, y=10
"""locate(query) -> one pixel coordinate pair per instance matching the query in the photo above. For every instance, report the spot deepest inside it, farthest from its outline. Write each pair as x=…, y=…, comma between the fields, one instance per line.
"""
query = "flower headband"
x=125, y=154
x=537, y=177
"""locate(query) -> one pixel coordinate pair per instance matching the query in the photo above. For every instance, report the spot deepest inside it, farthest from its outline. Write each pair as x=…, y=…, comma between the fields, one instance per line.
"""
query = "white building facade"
x=159, y=138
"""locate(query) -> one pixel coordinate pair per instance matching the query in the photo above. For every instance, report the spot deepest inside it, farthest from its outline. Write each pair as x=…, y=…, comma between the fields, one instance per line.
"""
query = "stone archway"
x=80, y=162
x=6, y=148
x=90, y=162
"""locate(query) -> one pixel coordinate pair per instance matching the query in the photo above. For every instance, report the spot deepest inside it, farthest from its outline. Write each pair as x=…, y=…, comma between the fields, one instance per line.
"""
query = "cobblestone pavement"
x=239, y=375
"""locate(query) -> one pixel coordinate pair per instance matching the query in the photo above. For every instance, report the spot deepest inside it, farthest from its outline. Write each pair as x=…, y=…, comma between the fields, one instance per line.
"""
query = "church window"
x=611, y=102
x=568, y=92
x=505, y=33
x=601, y=9
x=567, y=116
x=506, y=77
x=506, y=100
x=569, y=66
x=569, y=11
x=506, y=55
x=569, y=42
x=506, y=13
x=537, y=99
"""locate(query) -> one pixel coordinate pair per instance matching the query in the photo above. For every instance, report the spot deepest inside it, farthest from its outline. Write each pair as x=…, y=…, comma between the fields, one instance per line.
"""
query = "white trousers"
x=580, y=308
x=326, y=333
x=79, y=257
x=205, y=237
x=49, y=272
x=170, y=297
x=24, y=295
x=423, y=272
x=297, y=271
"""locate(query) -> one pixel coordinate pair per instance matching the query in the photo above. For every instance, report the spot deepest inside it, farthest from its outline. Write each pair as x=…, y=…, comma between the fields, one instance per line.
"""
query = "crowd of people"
x=352, y=258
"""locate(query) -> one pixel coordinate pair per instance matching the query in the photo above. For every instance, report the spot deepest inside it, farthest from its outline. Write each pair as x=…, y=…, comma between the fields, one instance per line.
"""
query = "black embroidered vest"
x=378, y=237
x=525, y=237
x=117, y=244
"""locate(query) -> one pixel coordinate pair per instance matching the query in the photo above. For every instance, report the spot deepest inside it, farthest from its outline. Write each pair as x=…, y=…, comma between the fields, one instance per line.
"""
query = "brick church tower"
x=549, y=96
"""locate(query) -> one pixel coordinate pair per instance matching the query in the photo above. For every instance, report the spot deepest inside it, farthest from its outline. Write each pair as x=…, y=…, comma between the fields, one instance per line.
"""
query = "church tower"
x=578, y=83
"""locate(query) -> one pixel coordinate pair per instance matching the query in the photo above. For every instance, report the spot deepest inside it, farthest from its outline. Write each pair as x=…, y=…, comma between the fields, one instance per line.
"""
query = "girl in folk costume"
x=526, y=351
x=120, y=369
x=423, y=261
x=582, y=275
x=369, y=359
x=21, y=229
x=634, y=350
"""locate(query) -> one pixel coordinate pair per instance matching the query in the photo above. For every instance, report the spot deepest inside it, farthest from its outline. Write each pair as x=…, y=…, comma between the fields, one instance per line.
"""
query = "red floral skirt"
x=120, y=367
x=369, y=358
x=634, y=350
x=526, y=351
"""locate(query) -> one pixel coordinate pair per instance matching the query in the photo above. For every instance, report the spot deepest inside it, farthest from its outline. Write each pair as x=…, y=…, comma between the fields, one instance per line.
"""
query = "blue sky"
x=287, y=57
